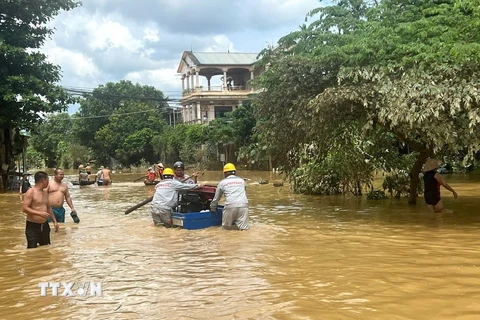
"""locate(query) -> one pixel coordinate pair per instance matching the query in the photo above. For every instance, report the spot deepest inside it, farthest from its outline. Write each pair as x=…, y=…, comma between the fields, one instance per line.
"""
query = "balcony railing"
x=215, y=89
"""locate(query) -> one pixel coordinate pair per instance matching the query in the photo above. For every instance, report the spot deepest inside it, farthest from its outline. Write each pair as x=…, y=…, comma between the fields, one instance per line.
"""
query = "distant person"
x=235, y=212
x=88, y=169
x=166, y=198
x=179, y=168
x=433, y=180
x=107, y=179
x=83, y=177
x=150, y=175
x=99, y=176
x=36, y=206
x=159, y=171
x=58, y=194
x=80, y=168
x=25, y=183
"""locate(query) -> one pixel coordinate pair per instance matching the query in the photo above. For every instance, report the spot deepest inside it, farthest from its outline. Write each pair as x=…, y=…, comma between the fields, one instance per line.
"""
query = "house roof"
x=219, y=58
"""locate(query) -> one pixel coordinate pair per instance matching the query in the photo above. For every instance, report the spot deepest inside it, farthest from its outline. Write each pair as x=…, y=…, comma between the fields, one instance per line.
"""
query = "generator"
x=195, y=200
x=193, y=210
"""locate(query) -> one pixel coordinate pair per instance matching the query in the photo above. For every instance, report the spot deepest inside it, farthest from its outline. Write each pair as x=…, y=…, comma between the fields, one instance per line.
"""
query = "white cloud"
x=221, y=43
x=72, y=62
x=142, y=41
x=111, y=34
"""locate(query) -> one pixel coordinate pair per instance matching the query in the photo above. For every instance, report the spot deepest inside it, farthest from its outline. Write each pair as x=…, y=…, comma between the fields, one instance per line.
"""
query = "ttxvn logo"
x=71, y=289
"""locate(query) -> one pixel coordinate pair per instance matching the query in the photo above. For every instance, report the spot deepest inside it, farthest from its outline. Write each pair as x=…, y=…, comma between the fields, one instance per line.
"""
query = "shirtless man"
x=57, y=193
x=35, y=205
x=106, y=176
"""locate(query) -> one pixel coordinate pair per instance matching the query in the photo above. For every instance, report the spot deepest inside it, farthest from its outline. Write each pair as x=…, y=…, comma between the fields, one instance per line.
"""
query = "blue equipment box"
x=198, y=220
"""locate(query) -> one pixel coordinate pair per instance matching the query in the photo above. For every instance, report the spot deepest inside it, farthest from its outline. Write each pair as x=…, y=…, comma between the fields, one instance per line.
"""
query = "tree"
x=28, y=86
x=54, y=141
x=119, y=120
x=408, y=68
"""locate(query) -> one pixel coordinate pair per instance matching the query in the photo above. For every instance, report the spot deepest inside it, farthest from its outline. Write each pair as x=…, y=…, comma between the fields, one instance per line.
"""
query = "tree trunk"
x=414, y=179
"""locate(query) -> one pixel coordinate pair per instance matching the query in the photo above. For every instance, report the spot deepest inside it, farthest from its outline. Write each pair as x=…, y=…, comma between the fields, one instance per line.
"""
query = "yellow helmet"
x=168, y=172
x=229, y=167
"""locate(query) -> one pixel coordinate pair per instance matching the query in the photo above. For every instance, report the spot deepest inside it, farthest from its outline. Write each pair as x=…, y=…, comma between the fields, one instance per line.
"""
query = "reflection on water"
x=305, y=257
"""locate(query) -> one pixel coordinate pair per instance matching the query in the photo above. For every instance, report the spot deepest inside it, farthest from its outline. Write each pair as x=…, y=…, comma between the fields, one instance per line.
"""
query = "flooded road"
x=305, y=257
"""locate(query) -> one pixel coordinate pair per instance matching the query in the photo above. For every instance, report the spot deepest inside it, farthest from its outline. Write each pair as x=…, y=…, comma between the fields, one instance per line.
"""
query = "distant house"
x=214, y=83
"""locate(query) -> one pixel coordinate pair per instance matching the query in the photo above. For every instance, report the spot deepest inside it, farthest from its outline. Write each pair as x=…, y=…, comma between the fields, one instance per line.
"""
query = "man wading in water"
x=35, y=205
x=57, y=194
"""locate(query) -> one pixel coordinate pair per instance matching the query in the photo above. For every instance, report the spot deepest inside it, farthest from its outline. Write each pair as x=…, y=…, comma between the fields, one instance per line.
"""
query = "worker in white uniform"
x=166, y=197
x=235, y=212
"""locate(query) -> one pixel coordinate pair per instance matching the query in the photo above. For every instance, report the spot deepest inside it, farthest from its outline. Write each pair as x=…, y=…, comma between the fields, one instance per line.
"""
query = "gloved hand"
x=213, y=209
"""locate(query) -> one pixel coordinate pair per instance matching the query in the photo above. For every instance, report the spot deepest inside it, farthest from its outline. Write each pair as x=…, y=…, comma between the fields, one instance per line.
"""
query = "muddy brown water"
x=305, y=257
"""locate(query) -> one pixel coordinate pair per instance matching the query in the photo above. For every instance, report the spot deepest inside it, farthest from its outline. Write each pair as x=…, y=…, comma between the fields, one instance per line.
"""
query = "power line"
x=113, y=114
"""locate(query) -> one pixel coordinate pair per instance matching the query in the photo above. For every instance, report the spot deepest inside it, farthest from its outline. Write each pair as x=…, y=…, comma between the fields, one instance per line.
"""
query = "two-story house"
x=214, y=83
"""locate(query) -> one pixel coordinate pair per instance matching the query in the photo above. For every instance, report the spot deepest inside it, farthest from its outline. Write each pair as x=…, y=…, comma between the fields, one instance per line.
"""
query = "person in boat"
x=433, y=180
x=235, y=213
x=179, y=168
x=150, y=175
x=57, y=194
x=80, y=168
x=88, y=169
x=83, y=177
x=166, y=198
x=159, y=168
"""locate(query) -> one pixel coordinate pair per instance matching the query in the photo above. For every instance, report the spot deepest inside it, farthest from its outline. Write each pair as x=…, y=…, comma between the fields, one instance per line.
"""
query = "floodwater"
x=305, y=257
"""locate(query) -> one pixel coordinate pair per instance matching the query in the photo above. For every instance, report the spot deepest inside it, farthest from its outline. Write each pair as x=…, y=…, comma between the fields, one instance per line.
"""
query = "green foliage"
x=27, y=81
x=50, y=136
x=398, y=184
x=376, y=195
x=34, y=158
x=408, y=69
x=120, y=121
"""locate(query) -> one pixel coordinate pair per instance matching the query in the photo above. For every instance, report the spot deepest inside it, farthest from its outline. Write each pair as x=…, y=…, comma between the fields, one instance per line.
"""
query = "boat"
x=82, y=183
x=151, y=183
x=193, y=210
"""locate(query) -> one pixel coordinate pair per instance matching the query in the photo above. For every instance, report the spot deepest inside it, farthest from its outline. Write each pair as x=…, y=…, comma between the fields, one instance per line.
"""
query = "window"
x=221, y=110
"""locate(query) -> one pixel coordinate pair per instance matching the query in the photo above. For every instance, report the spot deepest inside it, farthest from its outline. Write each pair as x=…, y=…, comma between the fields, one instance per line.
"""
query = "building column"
x=197, y=77
x=199, y=113
x=224, y=79
x=208, y=82
x=193, y=80
x=252, y=75
x=183, y=83
x=188, y=81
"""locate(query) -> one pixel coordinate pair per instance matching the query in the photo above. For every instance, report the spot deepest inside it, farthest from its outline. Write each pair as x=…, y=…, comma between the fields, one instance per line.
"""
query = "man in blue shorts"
x=57, y=194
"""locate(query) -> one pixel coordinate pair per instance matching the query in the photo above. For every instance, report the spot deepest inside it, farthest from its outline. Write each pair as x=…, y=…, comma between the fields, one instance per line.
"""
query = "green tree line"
x=124, y=124
x=366, y=79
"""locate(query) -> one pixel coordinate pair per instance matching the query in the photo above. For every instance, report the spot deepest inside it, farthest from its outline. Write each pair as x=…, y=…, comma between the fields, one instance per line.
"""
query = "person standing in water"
x=57, y=195
x=433, y=180
x=25, y=185
x=36, y=207
x=235, y=213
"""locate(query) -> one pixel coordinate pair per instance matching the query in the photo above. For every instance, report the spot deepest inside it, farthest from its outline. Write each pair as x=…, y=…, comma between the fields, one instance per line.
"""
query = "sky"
x=143, y=41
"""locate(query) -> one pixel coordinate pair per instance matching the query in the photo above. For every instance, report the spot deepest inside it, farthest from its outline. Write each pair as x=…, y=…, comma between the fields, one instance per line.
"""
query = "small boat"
x=198, y=220
x=82, y=183
x=151, y=183
x=193, y=210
